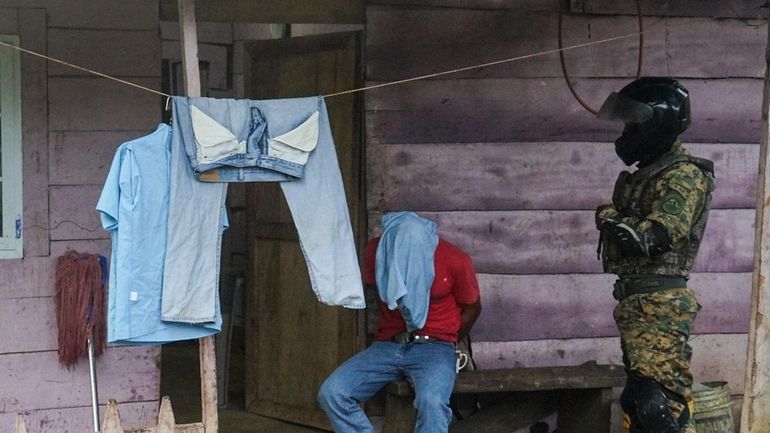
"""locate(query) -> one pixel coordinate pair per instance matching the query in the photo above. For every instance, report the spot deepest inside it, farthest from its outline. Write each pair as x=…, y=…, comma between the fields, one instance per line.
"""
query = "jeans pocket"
x=296, y=145
x=212, y=140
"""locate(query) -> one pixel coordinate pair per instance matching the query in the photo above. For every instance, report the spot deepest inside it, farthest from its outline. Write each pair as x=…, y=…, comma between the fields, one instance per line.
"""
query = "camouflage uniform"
x=675, y=192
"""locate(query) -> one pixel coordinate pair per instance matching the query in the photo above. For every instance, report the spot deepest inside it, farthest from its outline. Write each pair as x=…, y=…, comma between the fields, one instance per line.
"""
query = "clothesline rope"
x=482, y=65
x=361, y=89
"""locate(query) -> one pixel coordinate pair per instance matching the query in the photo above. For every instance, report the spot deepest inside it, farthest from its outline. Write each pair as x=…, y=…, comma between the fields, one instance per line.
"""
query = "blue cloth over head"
x=404, y=268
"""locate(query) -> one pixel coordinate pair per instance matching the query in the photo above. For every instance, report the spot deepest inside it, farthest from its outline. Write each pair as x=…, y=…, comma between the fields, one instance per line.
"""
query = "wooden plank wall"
x=72, y=124
x=512, y=167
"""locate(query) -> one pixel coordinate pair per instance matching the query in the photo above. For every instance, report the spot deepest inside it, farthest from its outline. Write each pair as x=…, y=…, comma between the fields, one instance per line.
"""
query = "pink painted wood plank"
x=8, y=21
x=564, y=242
x=133, y=415
x=403, y=43
x=532, y=5
x=73, y=212
x=36, y=381
x=108, y=14
x=84, y=157
x=97, y=49
x=580, y=306
x=715, y=356
x=85, y=14
x=511, y=110
x=28, y=325
x=34, y=277
x=34, y=113
x=515, y=176
x=708, y=8
x=91, y=246
x=110, y=106
x=211, y=33
x=28, y=278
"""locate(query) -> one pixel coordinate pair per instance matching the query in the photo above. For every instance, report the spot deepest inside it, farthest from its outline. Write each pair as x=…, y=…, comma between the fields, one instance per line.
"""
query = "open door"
x=293, y=341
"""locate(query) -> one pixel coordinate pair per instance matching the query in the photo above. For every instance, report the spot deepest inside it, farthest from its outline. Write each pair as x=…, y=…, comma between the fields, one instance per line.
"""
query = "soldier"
x=650, y=235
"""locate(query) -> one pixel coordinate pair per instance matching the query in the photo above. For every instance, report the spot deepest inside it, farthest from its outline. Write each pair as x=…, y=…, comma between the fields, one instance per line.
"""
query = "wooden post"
x=208, y=369
x=755, y=415
x=111, y=422
x=21, y=424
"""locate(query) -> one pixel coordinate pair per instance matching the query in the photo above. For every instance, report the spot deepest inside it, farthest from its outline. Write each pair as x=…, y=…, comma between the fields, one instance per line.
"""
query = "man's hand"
x=604, y=212
x=468, y=315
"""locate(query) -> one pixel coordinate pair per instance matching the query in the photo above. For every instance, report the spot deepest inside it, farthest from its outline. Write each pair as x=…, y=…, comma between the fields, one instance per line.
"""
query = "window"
x=10, y=150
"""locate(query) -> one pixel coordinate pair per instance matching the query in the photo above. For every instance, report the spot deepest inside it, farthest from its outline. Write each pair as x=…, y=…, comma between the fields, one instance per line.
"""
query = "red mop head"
x=80, y=287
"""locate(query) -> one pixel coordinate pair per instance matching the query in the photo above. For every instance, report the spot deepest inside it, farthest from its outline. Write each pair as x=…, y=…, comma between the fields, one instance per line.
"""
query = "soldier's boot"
x=649, y=408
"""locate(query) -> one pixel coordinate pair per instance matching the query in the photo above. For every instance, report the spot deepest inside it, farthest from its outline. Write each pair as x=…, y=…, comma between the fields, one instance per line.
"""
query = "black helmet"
x=655, y=110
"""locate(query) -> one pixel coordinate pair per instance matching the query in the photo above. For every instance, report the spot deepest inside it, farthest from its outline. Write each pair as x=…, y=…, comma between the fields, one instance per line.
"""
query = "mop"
x=80, y=313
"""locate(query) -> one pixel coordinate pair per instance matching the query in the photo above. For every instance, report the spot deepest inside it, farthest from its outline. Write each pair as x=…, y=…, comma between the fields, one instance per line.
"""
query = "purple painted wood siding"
x=73, y=212
x=564, y=242
x=72, y=150
x=78, y=419
x=72, y=123
x=528, y=176
x=715, y=356
x=541, y=307
x=532, y=5
x=688, y=8
x=511, y=166
x=109, y=107
x=405, y=43
x=138, y=51
x=542, y=109
x=37, y=381
x=34, y=114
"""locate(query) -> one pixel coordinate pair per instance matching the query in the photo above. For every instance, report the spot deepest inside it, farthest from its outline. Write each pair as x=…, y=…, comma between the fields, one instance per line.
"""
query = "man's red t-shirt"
x=455, y=283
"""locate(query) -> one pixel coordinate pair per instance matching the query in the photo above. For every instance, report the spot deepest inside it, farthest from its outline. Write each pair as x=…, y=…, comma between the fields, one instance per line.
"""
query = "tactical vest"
x=629, y=199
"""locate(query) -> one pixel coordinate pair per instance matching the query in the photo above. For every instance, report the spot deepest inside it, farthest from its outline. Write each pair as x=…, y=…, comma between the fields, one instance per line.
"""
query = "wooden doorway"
x=293, y=341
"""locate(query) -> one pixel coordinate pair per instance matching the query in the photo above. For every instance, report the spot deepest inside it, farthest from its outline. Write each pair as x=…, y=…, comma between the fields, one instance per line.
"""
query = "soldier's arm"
x=680, y=195
x=679, y=204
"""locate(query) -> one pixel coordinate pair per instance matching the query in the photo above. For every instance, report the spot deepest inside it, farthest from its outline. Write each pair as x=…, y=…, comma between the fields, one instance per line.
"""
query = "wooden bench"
x=581, y=396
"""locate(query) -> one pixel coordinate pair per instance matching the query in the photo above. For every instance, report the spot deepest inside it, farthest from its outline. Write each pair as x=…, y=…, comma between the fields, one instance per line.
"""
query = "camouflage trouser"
x=654, y=333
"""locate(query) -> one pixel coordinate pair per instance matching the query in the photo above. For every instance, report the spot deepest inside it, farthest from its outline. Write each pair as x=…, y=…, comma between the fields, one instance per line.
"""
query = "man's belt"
x=412, y=337
x=625, y=288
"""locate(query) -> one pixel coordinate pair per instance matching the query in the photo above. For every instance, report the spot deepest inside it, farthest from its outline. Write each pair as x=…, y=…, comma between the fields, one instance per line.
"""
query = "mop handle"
x=94, y=392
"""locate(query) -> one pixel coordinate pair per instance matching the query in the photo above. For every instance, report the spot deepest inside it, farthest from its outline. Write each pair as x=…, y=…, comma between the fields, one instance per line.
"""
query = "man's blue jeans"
x=429, y=367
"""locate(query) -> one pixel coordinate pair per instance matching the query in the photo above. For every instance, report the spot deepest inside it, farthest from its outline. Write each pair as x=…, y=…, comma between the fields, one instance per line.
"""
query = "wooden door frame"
x=312, y=44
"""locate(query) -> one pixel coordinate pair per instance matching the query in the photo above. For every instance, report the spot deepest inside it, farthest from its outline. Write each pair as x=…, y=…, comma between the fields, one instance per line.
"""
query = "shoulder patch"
x=673, y=203
x=683, y=190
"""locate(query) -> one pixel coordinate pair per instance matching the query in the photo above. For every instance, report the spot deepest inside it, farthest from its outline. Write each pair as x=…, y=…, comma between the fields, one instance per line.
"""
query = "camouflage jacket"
x=674, y=191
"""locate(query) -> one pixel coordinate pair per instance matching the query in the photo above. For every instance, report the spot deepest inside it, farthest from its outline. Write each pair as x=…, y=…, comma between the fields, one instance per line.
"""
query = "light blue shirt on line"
x=134, y=208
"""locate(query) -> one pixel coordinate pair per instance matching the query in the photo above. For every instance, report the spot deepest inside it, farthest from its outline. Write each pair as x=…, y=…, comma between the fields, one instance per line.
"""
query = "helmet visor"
x=623, y=108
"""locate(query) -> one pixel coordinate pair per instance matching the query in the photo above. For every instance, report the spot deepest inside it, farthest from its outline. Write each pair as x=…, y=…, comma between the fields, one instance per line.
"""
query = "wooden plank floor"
x=180, y=380
x=240, y=421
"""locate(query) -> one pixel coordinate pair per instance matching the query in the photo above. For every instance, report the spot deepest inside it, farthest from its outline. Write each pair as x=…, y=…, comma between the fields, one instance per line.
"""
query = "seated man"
x=430, y=300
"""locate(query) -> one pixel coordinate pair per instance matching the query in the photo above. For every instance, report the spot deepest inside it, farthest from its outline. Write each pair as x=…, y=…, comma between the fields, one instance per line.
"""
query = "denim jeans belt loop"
x=625, y=288
x=413, y=337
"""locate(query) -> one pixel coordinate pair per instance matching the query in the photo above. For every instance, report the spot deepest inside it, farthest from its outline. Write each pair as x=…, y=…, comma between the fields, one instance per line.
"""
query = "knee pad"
x=650, y=406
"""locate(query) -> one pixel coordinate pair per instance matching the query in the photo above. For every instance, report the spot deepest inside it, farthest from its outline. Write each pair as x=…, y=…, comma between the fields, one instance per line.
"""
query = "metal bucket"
x=713, y=412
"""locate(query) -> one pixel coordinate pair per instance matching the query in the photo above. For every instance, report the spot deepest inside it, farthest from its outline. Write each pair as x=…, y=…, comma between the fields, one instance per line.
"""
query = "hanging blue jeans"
x=276, y=137
x=429, y=367
x=196, y=221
